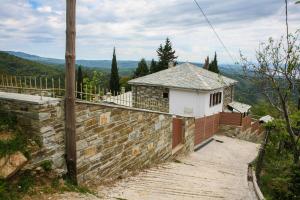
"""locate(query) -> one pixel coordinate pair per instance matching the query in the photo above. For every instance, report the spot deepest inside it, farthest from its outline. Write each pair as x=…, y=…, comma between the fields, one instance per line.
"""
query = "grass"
x=18, y=142
x=31, y=184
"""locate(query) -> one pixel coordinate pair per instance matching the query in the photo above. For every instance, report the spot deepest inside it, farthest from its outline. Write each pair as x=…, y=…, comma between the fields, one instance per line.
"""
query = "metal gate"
x=206, y=127
x=177, y=132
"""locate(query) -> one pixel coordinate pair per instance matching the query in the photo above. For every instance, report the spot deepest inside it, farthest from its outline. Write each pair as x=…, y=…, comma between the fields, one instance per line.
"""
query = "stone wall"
x=42, y=120
x=240, y=133
x=149, y=97
x=228, y=95
x=112, y=140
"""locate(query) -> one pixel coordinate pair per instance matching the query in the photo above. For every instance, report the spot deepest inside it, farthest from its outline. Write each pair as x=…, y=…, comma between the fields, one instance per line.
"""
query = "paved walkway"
x=217, y=171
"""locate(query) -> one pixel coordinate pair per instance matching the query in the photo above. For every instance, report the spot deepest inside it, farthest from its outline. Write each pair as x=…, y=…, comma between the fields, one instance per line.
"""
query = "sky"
x=137, y=27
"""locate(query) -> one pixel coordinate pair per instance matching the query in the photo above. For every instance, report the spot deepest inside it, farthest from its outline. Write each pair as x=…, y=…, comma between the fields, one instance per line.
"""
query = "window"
x=215, y=99
x=165, y=95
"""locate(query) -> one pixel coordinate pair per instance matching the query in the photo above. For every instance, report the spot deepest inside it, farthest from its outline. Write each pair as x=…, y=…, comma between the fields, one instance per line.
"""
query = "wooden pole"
x=70, y=91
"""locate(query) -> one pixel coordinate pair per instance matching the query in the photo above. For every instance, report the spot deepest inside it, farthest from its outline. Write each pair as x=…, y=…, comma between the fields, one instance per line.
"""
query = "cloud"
x=137, y=28
x=44, y=9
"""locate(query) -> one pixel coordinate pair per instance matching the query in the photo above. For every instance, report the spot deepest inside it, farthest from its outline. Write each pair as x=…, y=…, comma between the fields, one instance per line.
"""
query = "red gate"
x=206, y=127
x=177, y=132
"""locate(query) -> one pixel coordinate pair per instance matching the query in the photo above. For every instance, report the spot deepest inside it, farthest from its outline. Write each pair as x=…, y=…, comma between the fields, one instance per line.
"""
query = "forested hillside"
x=12, y=65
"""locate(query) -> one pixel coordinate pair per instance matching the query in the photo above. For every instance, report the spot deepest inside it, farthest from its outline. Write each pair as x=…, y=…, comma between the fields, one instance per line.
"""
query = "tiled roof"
x=185, y=76
x=240, y=107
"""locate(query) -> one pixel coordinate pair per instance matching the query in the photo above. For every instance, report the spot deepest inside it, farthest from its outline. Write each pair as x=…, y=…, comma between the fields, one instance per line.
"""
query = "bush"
x=47, y=165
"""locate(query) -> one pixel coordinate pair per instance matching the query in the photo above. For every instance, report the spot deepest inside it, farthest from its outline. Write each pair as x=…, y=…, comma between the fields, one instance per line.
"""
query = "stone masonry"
x=110, y=139
x=150, y=97
x=228, y=96
x=42, y=121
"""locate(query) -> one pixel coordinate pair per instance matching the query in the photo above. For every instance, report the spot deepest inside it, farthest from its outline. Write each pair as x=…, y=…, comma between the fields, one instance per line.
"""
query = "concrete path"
x=217, y=171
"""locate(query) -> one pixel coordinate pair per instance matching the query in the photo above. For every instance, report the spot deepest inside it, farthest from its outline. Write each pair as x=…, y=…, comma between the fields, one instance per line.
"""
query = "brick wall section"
x=206, y=127
x=149, y=97
x=231, y=119
x=43, y=123
x=246, y=122
x=228, y=95
x=112, y=140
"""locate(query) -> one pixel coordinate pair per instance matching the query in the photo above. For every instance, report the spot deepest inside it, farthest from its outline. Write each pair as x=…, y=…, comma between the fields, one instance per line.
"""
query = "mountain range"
x=20, y=63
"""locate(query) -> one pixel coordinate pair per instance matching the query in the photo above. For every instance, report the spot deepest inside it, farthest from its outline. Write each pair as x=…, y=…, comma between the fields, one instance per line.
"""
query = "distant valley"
x=25, y=64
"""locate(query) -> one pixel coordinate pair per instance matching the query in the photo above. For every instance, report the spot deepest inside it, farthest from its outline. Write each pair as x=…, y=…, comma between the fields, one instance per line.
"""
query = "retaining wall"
x=110, y=139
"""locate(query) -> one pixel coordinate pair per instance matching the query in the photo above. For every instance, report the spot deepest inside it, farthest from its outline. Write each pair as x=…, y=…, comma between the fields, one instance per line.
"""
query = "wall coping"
x=32, y=99
x=41, y=100
x=130, y=108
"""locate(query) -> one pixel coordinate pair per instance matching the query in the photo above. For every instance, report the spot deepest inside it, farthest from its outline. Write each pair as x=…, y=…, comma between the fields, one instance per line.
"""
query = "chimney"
x=171, y=64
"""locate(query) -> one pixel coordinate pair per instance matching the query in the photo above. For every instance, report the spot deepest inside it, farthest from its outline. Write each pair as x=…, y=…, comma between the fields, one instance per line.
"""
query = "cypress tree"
x=153, y=66
x=79, y=82
x=206, y=64
x=213, y=66
x=114, y=75
x=166, y=54
x=142, y=69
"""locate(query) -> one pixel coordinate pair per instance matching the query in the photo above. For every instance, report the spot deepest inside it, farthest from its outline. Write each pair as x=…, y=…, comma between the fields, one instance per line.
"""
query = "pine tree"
x=142, y=69
x=79, y=82
x=114, y=76
x=153, y=66
x=213, y=66
x=206, y=64
x=166, y=54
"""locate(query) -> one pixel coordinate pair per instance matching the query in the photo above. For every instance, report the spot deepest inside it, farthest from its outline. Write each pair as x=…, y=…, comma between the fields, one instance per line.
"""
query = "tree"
x=79, y=82
x=142, y=69
x=166, y=54
x=114, y=76
x=206, y=64
x=153, y=66
x=276, y=75
x=213, y=66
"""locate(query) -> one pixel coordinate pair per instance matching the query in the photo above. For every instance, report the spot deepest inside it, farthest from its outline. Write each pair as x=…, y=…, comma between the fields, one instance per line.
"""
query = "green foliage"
x=294, y=185
x=142, y=69
x=18, y=141
x=124, y=83
x=166, y=54
x=79, y=82
x=213, y=66
x=263, y=108
x=153, y=66
x=14, y=190
x=47, y=165
x=280, y=177
x=7, y=121
x=12, y=65
x=114, y=81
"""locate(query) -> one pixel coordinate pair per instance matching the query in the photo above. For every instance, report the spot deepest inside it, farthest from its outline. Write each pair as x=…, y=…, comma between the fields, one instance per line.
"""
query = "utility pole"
x=70, y=91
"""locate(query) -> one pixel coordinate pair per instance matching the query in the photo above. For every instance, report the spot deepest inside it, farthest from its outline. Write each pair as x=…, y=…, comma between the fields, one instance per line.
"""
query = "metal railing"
x=55, y=87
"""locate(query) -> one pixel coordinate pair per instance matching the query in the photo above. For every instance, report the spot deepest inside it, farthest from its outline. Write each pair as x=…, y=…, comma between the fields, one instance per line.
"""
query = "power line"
x=217, y=35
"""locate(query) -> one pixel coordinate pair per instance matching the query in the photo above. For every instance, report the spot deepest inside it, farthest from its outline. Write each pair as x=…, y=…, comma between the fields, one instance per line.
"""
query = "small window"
x=165, y=95
x=215, y=99
x=220, y=97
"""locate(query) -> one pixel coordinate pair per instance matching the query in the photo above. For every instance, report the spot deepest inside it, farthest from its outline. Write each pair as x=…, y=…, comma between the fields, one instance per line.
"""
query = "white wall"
x=192, y=103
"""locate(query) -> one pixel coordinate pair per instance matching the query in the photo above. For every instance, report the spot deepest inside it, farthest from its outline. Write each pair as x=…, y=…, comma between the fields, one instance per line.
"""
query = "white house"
x=184, y=90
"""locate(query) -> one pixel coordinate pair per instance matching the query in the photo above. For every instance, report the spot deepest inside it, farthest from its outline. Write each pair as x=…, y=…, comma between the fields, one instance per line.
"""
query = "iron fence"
x=55, y=87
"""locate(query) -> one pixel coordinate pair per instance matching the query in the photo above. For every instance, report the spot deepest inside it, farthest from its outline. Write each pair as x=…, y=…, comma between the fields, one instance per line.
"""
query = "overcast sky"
x=137, y=27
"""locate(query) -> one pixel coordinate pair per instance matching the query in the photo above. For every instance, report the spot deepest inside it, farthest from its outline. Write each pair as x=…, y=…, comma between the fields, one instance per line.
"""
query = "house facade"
x=185, y=90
